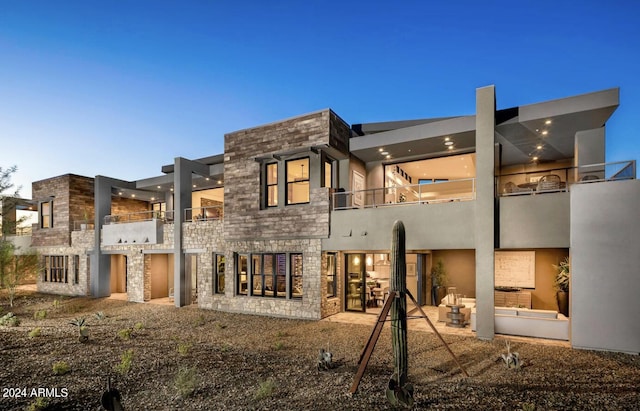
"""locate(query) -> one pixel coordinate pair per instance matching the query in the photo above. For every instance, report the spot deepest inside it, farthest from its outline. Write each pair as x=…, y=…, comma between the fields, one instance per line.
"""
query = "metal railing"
x=204, y=213
x=562, y=178
x=165, y=216
x=82, y=225
x=438, y=192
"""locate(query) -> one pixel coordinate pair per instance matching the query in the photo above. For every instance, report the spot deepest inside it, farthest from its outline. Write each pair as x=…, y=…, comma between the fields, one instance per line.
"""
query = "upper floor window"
x=46, y=214
x=272, y=185
x=159, y=209
x=327, y=170
x=297, y=181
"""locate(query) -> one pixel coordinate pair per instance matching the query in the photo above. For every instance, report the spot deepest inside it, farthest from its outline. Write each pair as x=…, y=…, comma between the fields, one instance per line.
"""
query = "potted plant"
x=561, y=284
x=439, y=282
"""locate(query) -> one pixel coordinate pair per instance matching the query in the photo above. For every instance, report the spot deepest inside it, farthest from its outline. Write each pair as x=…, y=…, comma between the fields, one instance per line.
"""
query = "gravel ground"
x=243, y=362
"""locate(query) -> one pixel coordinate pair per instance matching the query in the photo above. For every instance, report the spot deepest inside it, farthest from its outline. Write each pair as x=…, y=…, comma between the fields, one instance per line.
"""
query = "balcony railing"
x=165, y=216
x=82, y=225
x=561, y=179
x=439, y=192
x=204, y=213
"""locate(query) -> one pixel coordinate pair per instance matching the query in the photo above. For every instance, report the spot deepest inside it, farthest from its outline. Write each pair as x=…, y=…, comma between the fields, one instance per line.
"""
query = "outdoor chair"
x=549, y=182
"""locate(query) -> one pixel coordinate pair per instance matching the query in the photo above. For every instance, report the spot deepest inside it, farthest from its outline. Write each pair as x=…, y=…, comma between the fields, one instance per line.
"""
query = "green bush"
x=126, y=360
x=265, y=390
x=10, y=320
x=278, y=345
x=40, y=315
x=38, y=404
x=138, y=326
x=183, y=348
x=34, y=333
x=61, y=368
x=125, y=334
x=186, y=381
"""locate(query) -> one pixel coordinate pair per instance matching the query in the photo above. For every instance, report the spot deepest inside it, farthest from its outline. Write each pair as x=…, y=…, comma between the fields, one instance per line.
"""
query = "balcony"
x=553, y=180
x=204, y=213
x=139, y=228
x=437, y=192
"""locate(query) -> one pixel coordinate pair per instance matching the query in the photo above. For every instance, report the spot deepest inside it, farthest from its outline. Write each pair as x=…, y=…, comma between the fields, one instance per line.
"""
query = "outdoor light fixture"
x=545, y=132
x=547, y=122
x=384, y=153
x=450, y=147
x=539, y=147
x=448, y=143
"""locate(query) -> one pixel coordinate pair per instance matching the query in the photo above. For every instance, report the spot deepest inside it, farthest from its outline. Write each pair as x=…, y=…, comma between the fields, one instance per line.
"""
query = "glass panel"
x=219, y=274
x=296, y=276
x=242, y=275
x=331, y=274
x=257, y=275
x=298, y=181
x=355, y=289
x=272, y=196
x=328, y=177
x=281, y=275
x=272, y=174
x=45, y=213
x=267, y=268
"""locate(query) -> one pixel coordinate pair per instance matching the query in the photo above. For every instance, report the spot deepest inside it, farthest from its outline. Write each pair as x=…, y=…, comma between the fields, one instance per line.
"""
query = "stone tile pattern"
x=244, y=219
x=72, y=195
x=81, y=243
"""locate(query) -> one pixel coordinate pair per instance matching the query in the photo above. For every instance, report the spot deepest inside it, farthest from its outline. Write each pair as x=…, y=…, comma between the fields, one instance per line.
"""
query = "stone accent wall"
x=82, y=243
x=308, y=307
x=244, y=219
x=121, y=205
x=146, y=262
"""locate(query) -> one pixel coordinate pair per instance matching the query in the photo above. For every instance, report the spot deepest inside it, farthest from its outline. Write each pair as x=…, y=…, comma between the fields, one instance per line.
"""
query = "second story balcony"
x=433, y=193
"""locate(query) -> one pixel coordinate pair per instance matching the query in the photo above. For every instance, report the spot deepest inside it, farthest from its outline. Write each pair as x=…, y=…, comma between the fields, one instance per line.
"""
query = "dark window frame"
x=55, y=269
x=238, y=274
x=332, y=286
x=301, y=180
x=294, y=275
x=269, y=185
x=218, y=274
x=49, y=216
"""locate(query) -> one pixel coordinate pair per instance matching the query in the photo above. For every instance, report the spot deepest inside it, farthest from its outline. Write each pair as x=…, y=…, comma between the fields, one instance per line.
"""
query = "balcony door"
x=355, y=290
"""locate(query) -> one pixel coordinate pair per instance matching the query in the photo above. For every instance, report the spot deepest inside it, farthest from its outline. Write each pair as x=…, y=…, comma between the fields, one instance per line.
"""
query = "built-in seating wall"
x=543, y=296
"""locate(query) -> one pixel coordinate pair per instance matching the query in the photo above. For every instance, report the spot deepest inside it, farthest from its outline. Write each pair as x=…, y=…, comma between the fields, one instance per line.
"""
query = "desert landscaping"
x=161, y=357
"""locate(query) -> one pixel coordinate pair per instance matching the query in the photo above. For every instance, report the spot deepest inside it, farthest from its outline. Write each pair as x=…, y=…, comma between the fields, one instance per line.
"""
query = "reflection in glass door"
x=355, y=289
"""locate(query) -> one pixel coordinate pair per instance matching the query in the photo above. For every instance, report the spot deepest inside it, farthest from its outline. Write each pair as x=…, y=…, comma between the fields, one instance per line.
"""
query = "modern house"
x=294, y=219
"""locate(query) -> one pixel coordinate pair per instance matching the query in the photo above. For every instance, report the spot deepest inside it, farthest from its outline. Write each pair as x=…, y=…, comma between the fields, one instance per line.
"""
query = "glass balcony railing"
x=437, y=192
x=561, y=179
x=204, y=213
x=165, y=216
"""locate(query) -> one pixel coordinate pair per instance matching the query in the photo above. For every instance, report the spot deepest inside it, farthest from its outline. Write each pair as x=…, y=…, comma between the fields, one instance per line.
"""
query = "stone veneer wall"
x=59, y=234
x=244, y=219
x=81, y=244
x=139, y=264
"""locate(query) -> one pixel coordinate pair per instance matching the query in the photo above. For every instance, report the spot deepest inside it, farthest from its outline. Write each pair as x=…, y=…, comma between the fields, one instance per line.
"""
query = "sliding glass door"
x=355, y=290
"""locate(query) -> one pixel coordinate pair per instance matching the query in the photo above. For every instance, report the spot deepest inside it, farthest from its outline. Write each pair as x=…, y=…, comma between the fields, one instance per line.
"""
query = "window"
x=46, y=217
x=328, y=173
x=76, y=269
x=241, y=274
x=296, y=275
x=218, y=273
x=159, y=210
x=272, y=185
x=269, y=275
x=55, y=269
x=297, y=181
x=330, y=264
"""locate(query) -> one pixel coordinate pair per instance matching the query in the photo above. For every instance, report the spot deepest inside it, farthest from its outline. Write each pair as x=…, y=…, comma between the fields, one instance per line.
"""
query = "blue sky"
x=121, y=88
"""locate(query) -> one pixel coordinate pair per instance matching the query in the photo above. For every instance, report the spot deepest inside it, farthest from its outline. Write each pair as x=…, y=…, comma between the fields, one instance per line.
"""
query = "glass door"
x=355, y=290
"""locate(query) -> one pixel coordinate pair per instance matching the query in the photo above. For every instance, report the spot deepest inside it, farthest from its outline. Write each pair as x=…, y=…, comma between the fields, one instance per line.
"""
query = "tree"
x=13, y=267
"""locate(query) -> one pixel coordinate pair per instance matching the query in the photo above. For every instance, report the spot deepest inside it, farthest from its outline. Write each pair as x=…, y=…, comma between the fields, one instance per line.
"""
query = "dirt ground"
x=193, y=359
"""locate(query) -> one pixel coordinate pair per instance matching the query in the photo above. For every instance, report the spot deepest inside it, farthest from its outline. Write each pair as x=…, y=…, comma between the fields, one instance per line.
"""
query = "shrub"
x=278, y=345
x=56, y=304
x=10, y=320
x=265, y=390
x=138, y=326
x=34, y=333
x=200, y=321
x=38, y=404
x=183, y=348
x=186, y=381
x=100, y=316
x=125, y=334
x=40, y=315
x=61, y=368
x=83, y=331
x=126, y=360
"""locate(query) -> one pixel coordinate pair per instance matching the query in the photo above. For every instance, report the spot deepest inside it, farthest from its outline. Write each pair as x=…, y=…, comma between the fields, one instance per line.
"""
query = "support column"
x=484, y=213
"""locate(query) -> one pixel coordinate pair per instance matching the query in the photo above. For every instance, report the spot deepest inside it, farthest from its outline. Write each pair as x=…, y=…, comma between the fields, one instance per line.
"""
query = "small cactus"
x=83, y=331
x=511, y=359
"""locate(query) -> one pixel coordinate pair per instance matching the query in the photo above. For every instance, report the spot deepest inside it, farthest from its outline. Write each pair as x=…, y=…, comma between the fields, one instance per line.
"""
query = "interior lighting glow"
x=384, y=153
x=450, y=147
x=539, y=147
x=545, y=132
x=547, y=122
x=448, y=143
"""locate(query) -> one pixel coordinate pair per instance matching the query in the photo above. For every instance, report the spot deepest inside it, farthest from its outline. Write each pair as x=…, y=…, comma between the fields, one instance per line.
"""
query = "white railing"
x=204, y=213
x=439, y=192
x=165, y=216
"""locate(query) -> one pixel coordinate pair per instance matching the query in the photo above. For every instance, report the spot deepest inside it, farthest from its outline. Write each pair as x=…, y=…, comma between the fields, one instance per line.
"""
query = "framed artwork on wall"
x=357, y=185
x=411, y=269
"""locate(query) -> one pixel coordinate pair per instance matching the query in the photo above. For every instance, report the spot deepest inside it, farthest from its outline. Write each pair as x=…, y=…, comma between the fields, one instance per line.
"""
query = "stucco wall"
x=605, y=233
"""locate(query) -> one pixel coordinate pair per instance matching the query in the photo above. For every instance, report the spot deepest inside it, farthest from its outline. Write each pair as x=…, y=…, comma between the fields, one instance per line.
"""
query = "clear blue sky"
x=121, y=88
